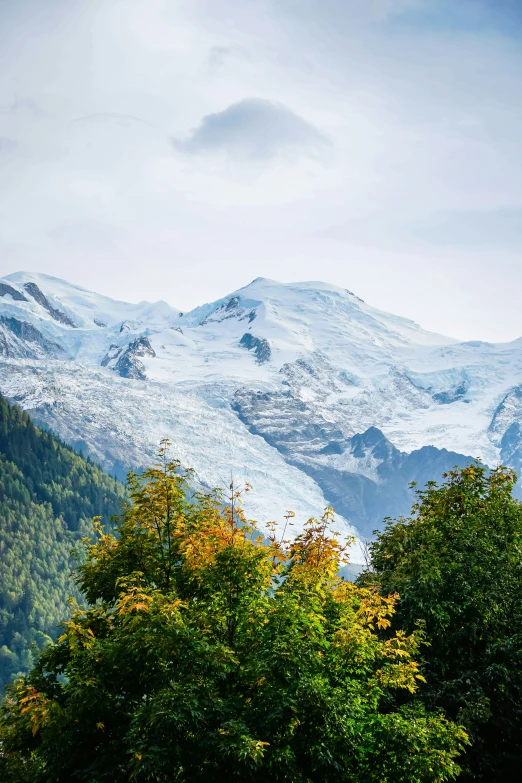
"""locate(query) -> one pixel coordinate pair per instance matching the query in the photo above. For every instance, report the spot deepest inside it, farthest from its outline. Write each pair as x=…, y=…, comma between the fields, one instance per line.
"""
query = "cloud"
x=420, y=99
x=435, y=15
x=22, y=106
x=219, y=56
x=253, y=128
x=496, y=228
x=7, y=144
x=499, y=229
x=123, y=120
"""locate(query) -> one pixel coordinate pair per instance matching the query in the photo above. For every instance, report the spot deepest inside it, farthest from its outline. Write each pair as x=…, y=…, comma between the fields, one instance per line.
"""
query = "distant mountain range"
x=302, y=389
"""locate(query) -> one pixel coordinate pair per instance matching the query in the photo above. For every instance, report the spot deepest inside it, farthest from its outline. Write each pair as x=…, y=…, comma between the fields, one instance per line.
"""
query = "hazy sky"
x=176, y=149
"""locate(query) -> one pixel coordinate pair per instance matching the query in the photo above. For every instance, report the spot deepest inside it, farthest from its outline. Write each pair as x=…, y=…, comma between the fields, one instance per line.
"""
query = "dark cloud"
x=255, y=129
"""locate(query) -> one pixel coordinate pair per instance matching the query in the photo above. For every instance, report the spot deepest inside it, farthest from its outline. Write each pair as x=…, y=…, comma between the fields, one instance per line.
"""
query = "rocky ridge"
x=303, y=389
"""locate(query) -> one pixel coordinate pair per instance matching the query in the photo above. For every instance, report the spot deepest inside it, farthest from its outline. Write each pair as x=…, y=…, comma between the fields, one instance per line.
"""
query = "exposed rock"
x=129, y=367
x=506, y=427
x=24, y=333
x=141, y=347
x=508, y=411
x=365, y=477
x=42, y=300
x=232, y=308
x=8, y=289
x=286, y=422
x=260, y=346
x=452, y=395
x=232, y=304
x=111, y=355
x=354, y=295
x=128, y=364
x=12, y=351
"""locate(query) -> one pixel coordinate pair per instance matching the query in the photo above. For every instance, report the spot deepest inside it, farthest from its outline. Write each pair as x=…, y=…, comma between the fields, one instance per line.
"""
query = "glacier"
x=303, y=390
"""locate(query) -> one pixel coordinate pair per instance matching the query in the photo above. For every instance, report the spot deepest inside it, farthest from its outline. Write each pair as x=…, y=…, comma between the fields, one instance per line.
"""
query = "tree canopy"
x=457, y=565
x=48, y=496
x=207, y=654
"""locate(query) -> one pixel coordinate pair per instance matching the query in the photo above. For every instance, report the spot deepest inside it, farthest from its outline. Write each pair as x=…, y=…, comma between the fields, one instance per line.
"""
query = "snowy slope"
x=303, y=389
x=82, y=322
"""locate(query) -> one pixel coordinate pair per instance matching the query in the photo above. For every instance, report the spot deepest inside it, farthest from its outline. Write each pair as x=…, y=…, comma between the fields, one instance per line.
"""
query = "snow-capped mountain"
x=302, y=389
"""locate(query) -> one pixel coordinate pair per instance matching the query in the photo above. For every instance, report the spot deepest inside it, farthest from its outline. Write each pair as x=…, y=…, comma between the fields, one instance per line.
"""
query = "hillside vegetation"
x=207, y=655
x=203, y=652
x=457, y=566
x=48, y=497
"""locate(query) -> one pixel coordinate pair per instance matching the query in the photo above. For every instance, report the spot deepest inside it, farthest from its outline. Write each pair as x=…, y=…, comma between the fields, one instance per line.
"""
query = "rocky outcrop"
x=5, y=288
x=21, y=340
x=452, y=395
x=365, y=477
x=232, y=308
x=126, y=361
x=286, y=422
x=111, y=355
x=42, y=300
x=258, y=345
x=506, y=428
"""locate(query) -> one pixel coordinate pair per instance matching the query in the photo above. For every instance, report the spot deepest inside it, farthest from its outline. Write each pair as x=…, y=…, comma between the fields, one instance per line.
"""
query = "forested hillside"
x=48, y=496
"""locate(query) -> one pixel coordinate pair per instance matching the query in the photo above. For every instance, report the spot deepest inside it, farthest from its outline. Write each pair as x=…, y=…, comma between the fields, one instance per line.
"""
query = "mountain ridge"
x=278, y=377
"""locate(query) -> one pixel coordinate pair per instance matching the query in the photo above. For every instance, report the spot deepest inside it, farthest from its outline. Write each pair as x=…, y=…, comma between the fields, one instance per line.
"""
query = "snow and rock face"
x=126, y=361
x=303, y=389
x=12, y=292
x=42, y=300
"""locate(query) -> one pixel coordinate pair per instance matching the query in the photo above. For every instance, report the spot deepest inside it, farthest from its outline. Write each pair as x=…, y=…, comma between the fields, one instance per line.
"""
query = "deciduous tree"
x=207, y=655
x=457, y=565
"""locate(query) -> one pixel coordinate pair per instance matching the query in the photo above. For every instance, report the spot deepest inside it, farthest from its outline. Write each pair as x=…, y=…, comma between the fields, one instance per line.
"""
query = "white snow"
x=357, y=366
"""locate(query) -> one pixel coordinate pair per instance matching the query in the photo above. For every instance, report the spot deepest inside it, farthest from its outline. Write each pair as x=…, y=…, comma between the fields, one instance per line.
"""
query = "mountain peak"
x=22, y=277
x=45, y=303
x=297, y=386
x=304, y=285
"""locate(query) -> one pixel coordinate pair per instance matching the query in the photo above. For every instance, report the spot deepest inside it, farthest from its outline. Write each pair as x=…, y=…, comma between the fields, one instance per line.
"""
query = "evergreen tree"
x=48, y=496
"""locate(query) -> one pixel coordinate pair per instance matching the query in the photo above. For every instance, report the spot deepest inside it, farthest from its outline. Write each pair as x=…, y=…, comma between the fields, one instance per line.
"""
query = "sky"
x=177, y=149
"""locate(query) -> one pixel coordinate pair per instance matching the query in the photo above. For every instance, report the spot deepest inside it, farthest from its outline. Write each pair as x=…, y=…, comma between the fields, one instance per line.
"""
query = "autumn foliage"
x=207, y=653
